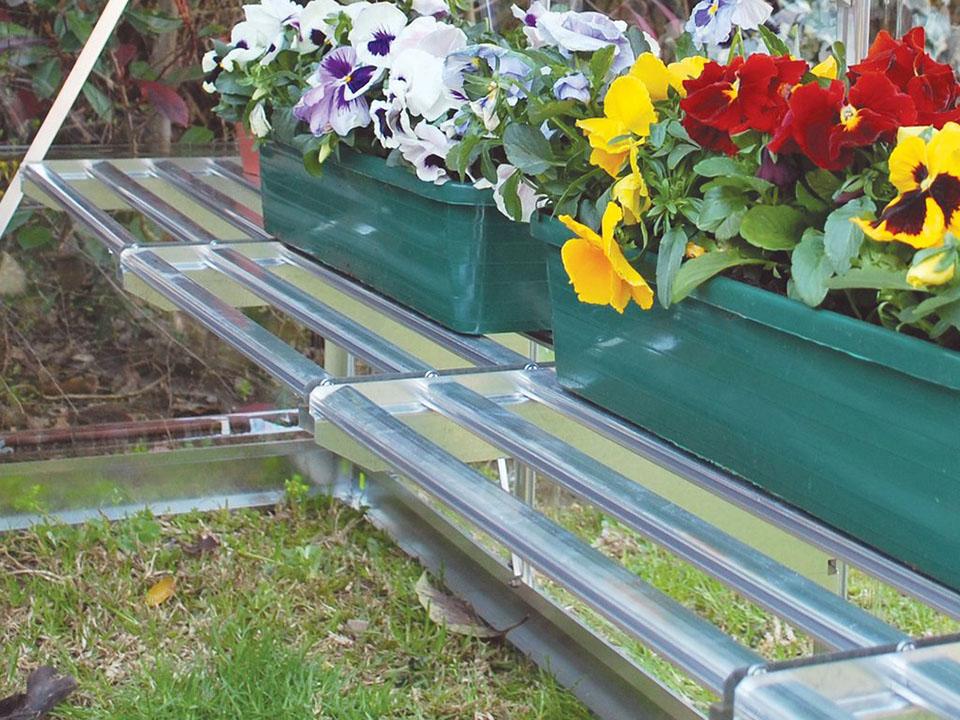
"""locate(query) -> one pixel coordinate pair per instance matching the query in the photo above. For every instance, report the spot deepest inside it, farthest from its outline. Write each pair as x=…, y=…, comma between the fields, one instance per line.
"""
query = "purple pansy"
x=587, y=32
x=335, y=102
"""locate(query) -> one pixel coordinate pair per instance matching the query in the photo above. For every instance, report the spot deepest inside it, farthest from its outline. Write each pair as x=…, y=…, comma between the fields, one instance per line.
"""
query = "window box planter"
x=444, y=251
x=851, y=422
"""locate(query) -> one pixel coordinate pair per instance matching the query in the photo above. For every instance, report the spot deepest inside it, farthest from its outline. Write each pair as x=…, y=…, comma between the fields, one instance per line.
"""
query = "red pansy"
x=826, y=126
x=745, y=95
x=932, y=85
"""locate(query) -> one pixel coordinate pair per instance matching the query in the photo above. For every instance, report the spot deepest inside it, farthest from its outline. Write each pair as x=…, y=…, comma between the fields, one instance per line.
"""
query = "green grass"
x=260, y=628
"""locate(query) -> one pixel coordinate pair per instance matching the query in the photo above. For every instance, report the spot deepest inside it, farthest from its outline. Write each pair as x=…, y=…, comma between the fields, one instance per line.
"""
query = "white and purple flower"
x=391, y=123
x=427, y=151
x=712, y=21
x=572, y=87
x=527, y=194
x=511, y=71
x=335, y=99
x=375, y=31
x=585, y=32
x=529, y=19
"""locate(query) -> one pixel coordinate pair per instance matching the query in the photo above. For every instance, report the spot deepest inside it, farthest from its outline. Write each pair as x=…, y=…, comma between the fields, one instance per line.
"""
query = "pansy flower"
x=749, y=94
x=628, y=115
x=426, y=149
x=597, y=268
x=932, y=85
x=317, y=21
x=335, y=99
x=826, y=125
x=660, y=78
x=712, y=21
x=927, y=178
x=934, y=266
x=374, y=31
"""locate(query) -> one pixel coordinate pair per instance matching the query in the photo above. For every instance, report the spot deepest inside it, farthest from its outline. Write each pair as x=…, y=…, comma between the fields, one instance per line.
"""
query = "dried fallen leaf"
x=445, y=609
x=357, y=627
x=205, y=544
x=13, y=280
x=161, y=591
x=45, y=690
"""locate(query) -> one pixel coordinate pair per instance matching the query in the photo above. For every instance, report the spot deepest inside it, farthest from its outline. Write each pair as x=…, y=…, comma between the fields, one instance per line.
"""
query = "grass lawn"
x=302, y=612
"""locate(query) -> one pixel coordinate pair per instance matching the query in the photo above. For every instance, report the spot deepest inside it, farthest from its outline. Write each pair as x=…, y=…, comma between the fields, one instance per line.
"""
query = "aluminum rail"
x=226, y=322
x=108, y=231
x=312, y=313
x=812, y=608
x=477, y=349
x=699, y=648
x=544, y=388
x=212, y=199
x=147, y=202
x=231, y=171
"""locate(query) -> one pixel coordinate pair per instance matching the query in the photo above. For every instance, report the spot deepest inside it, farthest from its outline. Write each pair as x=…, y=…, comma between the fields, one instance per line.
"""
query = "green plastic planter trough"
x=857, y=425
x=444, y=251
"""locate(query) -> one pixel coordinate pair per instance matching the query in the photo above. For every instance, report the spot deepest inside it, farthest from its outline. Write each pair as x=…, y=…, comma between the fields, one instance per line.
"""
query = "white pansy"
x=431, y=36
x=436, y=8
x=427, y=152
x=751, y=14
x=259, y=125
x=529, y=19
x=375, y=31
x=417, y=75
x=250, y=43
x=530, y=201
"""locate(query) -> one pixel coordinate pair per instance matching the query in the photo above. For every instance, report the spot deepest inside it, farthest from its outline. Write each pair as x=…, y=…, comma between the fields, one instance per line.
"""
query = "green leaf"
x=658, y=135
x=843, y=238
x=511, y=199
x=34, y=236
x=930, y=305
x=730, y=227
x=196, y=135
x=669, y=257
x=772, y=227
x=871, y=277
x=101, y=104
x=638, y=42
x=463, y=154
x=151, y=23
x=717, y=167
x=718, y=204
x=678, y=153
x=684, y=46
x=601, y=62
x=744, y=182
x=808, y=200
x=697, y=271
x=527, y=149
x=823, y=182
x=46, y=77
x=810, y=268
x=79, y=25
x=775, y=45
x=545, y=111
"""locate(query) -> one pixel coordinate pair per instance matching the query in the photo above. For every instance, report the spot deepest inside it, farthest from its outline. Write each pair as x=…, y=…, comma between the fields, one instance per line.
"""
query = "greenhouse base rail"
x=436, y=397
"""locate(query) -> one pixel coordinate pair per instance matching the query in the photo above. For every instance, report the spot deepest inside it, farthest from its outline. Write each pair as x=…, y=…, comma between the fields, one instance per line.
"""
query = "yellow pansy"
x=659, y=78
x=595, y=264
x=927, y=178
x=933, y=267
x=634, y=197
x=628, y=114
x=827, y=69
x=692, y=250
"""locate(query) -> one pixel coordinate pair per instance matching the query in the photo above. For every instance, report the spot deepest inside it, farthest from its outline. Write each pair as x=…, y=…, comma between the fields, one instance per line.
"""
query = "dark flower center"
x=380, y=45
x=434, y=161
